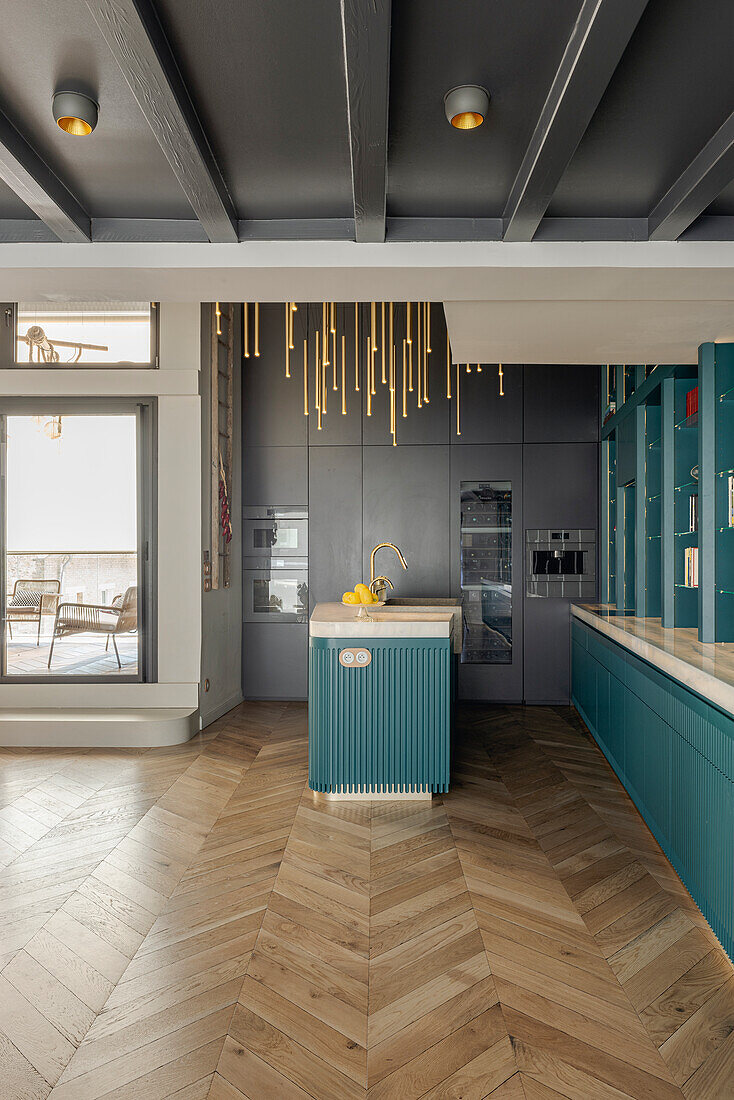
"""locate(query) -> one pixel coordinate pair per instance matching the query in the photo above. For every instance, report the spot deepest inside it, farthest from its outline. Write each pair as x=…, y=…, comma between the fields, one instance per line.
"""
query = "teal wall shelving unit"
x=666, y=493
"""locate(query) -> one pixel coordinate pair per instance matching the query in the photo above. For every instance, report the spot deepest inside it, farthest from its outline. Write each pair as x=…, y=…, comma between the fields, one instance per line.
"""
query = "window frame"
x=145, y=411
x=8, y=340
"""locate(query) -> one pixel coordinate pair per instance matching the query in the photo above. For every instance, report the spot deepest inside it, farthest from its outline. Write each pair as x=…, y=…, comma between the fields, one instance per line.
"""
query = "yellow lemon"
x=366, y=596
x=361, y=587
x=350, y=597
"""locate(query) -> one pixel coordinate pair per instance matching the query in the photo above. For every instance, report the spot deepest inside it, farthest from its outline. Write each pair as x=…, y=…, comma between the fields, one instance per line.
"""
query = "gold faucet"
x=379, y=585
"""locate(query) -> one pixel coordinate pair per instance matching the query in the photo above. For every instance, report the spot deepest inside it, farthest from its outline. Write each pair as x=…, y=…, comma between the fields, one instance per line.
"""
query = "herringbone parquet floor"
x=193, y=923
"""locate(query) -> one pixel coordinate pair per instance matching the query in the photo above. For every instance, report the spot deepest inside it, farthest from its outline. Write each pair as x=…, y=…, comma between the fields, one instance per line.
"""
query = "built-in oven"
x=278, y=594
x=270, y=532
x=275, y=564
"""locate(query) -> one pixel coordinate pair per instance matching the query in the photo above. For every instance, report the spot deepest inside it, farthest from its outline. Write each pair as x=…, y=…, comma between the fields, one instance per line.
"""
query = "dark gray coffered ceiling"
x=278, y=119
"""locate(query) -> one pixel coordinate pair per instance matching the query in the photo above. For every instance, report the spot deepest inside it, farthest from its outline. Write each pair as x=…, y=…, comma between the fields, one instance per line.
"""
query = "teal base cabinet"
x=674, y=753
x=384, y=728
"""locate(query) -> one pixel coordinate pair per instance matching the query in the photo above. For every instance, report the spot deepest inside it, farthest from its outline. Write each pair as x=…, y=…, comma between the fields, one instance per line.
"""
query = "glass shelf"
x=729, y=527
x=655, y=443
x=484, y=530
x=689, y=424
x=654, y=536
x=682, y=534
x=691, y=587
x=655, y=496
x=724, y=473
x=725, y=592
x=686, y=485
x=727, y=395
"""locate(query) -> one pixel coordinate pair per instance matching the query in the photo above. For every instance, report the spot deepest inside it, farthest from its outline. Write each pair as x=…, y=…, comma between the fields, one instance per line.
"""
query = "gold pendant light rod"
x=501, y=376
x=405, y=377
x=419, y=357
x=305, y=376
x=458, y=401
x=356, y=347
x=344, y=375
x=317, y=382
x=257, y=330
x=287, y=315
x=369, y=375
x=428, y=327
x=448, y=366
x=426, y=350
x=218, y=315
x=246, y=331
x=382, y=330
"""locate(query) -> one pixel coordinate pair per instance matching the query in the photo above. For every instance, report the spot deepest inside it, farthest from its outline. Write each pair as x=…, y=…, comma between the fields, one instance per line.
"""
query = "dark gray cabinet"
x=561, y=484
x=561, y=403
x=405, y=500
x=274, y=475
x=275, y=660
x=335, y=512
x=272, y=405
x=486, y=417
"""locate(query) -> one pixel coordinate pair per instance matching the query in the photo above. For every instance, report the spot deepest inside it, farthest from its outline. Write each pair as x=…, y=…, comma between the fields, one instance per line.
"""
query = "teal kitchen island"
x=380, y=697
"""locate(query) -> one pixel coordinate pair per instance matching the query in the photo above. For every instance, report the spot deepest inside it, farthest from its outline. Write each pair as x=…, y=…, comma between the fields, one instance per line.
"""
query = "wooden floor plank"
x=192, y=922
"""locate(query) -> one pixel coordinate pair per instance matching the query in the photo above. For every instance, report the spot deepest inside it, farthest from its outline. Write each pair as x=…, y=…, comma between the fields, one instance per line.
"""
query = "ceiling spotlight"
x=75, y=113
x=466, y=106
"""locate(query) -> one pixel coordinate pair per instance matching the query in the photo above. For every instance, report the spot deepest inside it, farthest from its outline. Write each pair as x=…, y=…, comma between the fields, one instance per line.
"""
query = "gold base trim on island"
x=369, y=794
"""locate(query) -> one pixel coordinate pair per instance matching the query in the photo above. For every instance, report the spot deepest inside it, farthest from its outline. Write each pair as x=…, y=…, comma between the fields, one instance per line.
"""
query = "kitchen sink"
x=423, y=601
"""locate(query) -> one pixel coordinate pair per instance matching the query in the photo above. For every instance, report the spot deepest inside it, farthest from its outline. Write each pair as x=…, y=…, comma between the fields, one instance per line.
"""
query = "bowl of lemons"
x=360, y=596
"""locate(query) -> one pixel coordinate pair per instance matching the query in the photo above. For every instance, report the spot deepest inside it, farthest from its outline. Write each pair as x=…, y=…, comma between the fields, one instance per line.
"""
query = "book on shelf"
x=610, y=411
x=693, y=512
x=692, y=402
x=731, y=500
x=691, y=567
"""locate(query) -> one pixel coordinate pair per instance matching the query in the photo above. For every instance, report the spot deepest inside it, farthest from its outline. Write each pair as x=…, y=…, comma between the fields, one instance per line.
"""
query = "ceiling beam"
x=598, y=40
x=696, y=187
x=134, y=34
x=366, y=35
x=28, y=175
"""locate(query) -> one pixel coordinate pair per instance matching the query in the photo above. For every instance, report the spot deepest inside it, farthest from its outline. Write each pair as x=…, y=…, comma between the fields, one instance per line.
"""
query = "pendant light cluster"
x=392, y=345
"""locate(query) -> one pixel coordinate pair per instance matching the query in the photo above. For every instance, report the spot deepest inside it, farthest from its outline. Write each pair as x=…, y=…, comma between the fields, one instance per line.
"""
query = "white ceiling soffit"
x=344, y=271
x=586, y=332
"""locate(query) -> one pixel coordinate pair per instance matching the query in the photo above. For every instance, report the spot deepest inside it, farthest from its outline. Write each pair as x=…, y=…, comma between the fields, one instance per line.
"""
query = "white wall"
x=221, y=609
x=176, y=385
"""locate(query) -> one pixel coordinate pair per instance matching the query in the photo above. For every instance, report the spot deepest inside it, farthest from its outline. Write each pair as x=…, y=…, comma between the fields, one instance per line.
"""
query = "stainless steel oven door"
x=275, y=538
x=275, y=595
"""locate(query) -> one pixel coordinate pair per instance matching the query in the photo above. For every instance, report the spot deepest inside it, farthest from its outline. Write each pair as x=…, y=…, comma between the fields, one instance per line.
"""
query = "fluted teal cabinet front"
x=383, y=728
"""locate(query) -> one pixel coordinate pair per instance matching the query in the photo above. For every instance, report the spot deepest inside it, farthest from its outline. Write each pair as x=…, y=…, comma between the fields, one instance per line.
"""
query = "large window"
x=73, y=548
x=85, y=334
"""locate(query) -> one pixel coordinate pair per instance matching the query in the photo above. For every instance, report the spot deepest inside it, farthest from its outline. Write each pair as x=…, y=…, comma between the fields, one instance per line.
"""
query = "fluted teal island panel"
x=385, y=727
x=674, y=753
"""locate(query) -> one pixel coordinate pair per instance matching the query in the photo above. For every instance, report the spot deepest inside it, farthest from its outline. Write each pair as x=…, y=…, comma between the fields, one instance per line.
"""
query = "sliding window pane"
x=71, y=563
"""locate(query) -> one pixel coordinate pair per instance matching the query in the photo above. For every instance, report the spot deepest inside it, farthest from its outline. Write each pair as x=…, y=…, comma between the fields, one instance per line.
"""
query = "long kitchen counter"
x=659, y=705
x=707, y=668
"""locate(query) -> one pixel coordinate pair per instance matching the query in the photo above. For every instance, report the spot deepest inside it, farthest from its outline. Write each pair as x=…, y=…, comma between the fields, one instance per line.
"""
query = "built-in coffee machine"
x=560, y=563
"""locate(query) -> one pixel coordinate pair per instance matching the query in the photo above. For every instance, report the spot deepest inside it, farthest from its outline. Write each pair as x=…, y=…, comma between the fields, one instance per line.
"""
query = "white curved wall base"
x=150, y=727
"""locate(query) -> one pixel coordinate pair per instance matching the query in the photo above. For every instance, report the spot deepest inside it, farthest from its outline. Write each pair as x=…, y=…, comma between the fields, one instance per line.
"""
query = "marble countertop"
x=337, y=620
x=704, y=667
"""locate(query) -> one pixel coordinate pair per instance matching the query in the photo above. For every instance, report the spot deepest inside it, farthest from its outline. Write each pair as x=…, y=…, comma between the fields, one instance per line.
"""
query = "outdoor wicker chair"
x=90, y=618
x=30, y=601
